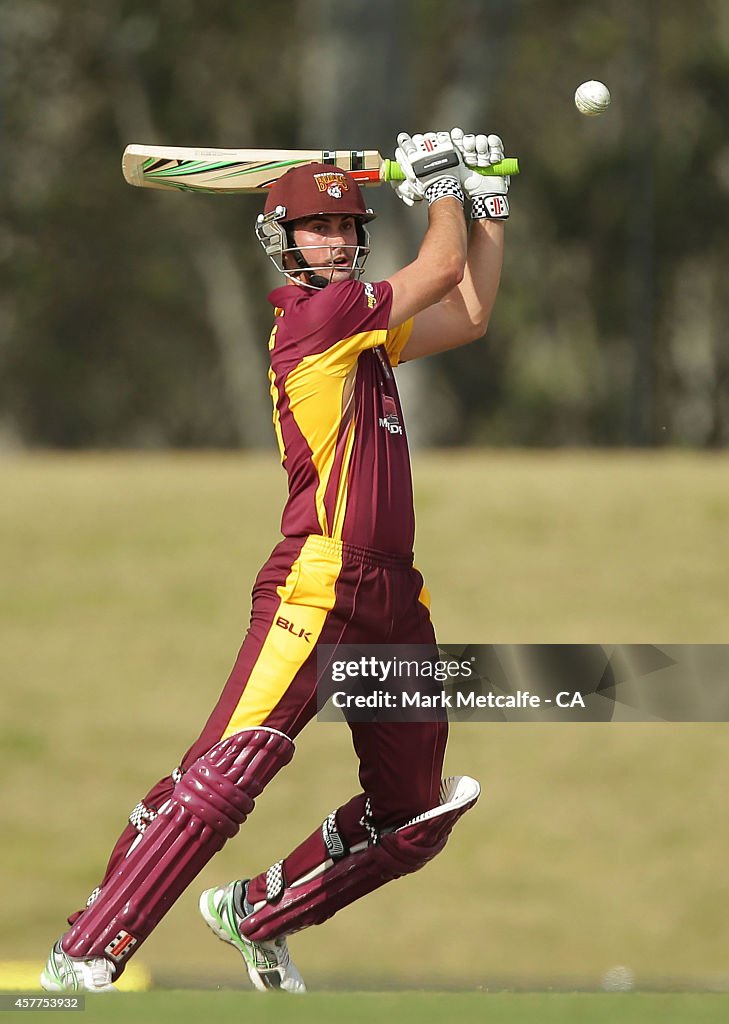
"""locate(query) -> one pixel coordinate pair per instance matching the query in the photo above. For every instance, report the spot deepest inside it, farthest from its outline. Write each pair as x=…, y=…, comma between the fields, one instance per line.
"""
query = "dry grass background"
x=125, y=594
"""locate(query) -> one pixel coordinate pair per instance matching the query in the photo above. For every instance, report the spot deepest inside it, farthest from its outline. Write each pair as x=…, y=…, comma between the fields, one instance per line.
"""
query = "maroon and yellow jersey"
x=337, y=415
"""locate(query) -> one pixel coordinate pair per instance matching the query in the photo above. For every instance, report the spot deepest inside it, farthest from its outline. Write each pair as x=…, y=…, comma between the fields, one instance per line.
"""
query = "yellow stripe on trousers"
x=306, y=598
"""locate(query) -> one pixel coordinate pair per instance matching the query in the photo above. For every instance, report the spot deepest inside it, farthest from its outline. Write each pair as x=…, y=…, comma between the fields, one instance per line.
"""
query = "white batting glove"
x=488, y=193
x=411, y=191
x=432, y=167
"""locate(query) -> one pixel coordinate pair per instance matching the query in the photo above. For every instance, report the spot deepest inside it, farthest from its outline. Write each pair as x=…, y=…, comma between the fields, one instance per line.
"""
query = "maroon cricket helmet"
x=311, y=189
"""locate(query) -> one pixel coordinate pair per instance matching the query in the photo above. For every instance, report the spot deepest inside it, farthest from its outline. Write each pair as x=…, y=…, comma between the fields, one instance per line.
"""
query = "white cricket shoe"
x=268, y=963
x=64, y=973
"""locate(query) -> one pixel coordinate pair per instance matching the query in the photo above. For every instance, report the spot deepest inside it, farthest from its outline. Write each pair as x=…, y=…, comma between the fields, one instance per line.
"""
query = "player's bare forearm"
x=444, y=249
x=439, y=266
x=473, y=299
x=462, y=315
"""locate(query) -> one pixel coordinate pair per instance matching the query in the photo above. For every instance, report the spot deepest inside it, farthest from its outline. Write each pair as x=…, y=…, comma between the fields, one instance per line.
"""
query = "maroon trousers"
x=315, y=590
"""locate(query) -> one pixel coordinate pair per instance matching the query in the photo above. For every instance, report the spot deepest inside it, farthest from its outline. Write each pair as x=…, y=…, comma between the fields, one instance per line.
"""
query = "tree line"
x=134, y=318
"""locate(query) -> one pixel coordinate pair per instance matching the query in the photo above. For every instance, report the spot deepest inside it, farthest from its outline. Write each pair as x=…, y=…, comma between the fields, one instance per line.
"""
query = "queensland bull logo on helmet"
x=333, y=183
x=311, y=190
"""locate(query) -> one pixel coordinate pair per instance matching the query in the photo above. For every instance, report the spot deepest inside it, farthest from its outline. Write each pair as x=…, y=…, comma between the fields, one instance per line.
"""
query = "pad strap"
x=208, y=805
x=335, y=884
x=142, y=816
x=333, y=839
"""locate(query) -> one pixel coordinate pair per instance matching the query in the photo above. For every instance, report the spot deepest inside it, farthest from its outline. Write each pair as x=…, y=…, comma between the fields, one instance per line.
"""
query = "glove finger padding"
x=407, y=150
x=470, y=157
x=487, y=192
x=411, y=190
x=432, y=161
x=492, y=147
x=478, y=150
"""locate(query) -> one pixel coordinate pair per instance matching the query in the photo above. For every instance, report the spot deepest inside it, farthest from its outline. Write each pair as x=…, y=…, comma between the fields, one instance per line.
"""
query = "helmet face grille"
x=312, y=189
x=278, y=242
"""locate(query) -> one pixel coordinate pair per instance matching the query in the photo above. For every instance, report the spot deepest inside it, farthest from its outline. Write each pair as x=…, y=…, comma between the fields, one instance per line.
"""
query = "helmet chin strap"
x=315, y=280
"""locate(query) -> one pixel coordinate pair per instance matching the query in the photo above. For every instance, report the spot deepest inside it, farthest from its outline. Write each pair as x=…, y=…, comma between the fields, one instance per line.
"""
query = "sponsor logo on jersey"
x=390, y=421
x=283, y=623
x=333, y=182
x=370, y=295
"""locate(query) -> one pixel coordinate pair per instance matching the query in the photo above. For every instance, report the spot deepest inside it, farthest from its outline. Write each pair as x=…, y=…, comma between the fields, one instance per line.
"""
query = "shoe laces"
x=282, y=951
x=278, y=950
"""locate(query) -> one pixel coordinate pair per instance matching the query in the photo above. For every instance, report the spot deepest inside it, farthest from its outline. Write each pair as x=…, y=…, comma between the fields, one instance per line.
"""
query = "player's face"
x=329, y=243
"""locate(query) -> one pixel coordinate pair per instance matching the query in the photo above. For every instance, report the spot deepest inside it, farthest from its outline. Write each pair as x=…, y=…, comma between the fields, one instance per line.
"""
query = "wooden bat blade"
x=226, y=171
x=222, y=171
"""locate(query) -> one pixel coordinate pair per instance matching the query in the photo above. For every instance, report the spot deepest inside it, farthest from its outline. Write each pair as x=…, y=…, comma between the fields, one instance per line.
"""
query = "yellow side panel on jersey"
x=397, y=339
x=319, y=421
x=340, y=358
x=306, y=598
x=320, y=391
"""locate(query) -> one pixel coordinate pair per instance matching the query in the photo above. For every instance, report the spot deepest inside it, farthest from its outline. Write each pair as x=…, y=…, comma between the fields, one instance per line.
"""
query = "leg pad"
x=207, y=807
x=335, y=884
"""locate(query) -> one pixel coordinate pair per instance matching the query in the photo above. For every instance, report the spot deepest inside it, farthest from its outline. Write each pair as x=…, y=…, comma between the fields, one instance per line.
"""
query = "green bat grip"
x=504, y=168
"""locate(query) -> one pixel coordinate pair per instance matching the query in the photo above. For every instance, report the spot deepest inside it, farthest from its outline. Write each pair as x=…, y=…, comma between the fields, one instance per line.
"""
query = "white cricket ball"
x=592, y=98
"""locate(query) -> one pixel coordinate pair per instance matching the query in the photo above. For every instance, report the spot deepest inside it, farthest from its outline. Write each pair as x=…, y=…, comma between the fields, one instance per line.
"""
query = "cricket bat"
x=225, y=171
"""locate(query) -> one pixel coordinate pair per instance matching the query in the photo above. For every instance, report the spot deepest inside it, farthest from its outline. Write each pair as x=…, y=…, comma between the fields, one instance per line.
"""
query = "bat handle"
x=508, y=166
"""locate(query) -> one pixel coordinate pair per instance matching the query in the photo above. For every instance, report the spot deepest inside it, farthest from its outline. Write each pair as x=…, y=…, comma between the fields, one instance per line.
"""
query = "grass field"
x=126, y=593
x=406, y=1008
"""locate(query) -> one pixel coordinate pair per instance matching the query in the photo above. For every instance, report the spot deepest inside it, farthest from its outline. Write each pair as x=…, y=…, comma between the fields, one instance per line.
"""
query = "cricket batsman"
x=343, y=573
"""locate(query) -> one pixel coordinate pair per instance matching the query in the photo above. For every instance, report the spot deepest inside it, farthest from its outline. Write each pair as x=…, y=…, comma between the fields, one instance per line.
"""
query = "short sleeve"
x=397, y=339
x=330, y=328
